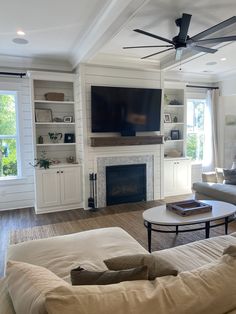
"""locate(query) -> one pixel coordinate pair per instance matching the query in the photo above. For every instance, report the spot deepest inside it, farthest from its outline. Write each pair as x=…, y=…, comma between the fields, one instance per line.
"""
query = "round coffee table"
x=160, y=216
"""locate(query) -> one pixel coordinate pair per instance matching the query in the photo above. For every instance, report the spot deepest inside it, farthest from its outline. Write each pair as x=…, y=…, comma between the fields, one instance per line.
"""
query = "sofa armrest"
x=209, y=177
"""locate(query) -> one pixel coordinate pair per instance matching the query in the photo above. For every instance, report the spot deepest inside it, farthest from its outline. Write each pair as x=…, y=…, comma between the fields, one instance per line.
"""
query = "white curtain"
x=210, y=149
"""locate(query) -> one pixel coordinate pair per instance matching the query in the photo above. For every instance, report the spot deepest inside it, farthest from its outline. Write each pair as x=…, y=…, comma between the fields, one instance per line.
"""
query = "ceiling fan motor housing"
x=177, y=43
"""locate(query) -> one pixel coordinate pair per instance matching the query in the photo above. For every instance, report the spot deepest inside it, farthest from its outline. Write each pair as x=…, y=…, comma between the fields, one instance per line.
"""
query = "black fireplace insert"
x=125, y=183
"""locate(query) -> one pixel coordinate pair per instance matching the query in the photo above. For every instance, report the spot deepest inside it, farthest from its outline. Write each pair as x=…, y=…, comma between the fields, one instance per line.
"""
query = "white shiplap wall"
x=109, y=76
x=19, y=193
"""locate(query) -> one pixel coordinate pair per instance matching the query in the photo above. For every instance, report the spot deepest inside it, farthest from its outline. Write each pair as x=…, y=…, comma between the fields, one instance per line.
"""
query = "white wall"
x=19, y=193
x=108, y=76
x=228, y=131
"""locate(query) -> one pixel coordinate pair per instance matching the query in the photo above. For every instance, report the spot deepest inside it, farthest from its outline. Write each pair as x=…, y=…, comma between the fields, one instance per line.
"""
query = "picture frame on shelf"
x=69, y=138
x=43, y=115
x=174, y=134
x=68, y=119
x=167, y=118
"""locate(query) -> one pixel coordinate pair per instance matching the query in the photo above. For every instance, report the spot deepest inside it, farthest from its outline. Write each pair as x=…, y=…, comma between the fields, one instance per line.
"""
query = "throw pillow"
x=80, y=276
x=231, y=250
x=219, y=175
x=229, y=176
x=209, y=177
x=27, y=285
x=157, y=266
x=210, y=289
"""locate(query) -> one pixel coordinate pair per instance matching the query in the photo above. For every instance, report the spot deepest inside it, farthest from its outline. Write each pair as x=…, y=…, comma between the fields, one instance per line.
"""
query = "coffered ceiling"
x=68, y=32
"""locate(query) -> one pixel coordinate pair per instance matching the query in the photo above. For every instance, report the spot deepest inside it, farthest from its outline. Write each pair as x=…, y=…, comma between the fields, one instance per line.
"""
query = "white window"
x=195, y=128
x=9, y=139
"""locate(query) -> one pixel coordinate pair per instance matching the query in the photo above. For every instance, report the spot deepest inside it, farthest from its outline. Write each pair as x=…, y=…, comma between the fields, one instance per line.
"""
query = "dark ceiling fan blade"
x=161, y=46
x=153, y=54
x=203, y=49
x=154, y=36
x=178, y=54
x=216, y=40
x=215, y=28
x=184, y=26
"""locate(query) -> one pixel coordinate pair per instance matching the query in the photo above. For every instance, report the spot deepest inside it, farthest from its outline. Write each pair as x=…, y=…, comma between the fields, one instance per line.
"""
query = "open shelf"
x=38, y=101
x=55, y=144
x=55, y=123
x=173, y=123
x=173, y=141
x=174, y=106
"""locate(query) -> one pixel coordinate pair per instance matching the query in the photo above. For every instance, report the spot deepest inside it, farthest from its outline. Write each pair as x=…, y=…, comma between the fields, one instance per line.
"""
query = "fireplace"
x=125, y=184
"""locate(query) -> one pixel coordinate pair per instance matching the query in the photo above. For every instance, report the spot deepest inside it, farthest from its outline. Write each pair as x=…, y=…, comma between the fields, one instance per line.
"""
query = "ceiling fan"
x=183, y=41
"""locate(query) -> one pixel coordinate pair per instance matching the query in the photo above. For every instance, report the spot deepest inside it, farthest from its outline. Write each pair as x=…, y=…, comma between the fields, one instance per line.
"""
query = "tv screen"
x=125, y=110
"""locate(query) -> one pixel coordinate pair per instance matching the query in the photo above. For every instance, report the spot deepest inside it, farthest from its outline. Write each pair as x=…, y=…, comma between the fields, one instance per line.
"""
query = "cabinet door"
x=70, y=185
x=182, y=176
x=169, y=180
x=48, y=188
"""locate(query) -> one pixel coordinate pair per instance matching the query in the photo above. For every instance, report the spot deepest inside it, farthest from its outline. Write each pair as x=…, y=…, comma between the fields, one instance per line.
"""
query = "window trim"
x=14, y=89
x=194, y=96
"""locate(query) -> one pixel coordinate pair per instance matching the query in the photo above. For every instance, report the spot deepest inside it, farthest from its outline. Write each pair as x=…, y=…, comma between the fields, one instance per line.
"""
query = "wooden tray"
x=189, y=207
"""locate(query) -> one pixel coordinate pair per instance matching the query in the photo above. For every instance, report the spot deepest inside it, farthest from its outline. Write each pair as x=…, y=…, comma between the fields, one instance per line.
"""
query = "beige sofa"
x=89, y=248
x=213, y=188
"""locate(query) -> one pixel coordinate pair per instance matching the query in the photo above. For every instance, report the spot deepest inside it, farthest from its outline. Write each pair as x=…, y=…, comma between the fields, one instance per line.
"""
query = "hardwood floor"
x=26, y=218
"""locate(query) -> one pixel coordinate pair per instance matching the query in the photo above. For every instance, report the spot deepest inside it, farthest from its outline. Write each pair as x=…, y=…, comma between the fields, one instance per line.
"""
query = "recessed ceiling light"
x=20, y=33
x=211, y=63
x=223, y=59
x=20, y=41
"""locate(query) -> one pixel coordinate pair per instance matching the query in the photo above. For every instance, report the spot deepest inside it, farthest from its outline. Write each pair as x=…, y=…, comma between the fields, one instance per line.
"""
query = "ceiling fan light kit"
x=183, y=41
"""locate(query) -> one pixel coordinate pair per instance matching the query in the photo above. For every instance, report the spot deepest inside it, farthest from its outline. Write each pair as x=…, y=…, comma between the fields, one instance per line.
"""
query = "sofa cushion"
x=209, y=177
x=229, y=176
x=196, y=254
x=157, y=266
x=27, y=285
x=217, y=191
x=210, y=289
x=231, y=250
x=88, y=249
x=219, y=175
x=80, y=276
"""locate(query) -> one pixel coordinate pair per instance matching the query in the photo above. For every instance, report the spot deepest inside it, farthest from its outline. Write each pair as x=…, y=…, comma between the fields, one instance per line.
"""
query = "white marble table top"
x=162, y=216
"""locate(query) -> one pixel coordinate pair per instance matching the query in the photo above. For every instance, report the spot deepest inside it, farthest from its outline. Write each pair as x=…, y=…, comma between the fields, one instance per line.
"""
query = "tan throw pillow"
x=80, y=276
x=157, y=266
x=229, y=176
x=231, y=250
x=209, y=177
x=219, y=175
x=210, y=289
x=27, y=285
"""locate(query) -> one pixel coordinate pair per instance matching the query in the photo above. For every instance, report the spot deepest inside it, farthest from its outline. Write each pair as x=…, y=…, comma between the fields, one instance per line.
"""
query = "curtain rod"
x=13, y=74
x=199, y=86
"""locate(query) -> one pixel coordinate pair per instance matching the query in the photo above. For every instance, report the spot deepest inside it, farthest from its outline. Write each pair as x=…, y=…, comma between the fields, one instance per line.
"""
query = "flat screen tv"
x=125, y=110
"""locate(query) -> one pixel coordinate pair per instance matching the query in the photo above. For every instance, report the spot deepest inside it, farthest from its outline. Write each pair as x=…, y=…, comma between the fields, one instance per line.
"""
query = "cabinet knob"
x=58, y=171
x=61, y=171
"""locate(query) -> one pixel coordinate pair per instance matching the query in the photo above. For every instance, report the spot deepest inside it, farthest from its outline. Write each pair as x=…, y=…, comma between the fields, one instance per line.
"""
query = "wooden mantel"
x=126, y=140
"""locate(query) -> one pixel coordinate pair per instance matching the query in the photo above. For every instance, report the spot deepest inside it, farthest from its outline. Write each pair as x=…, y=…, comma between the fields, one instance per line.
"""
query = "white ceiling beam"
x=114, y=16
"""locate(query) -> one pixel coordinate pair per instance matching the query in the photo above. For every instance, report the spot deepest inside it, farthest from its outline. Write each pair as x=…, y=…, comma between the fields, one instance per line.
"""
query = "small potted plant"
x=42, y=162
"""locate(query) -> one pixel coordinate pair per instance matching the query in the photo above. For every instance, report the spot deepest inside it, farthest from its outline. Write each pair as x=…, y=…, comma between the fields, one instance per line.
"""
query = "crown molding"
x=178, y=75
x=27, y=63
x=227, y=75
x=118, y=61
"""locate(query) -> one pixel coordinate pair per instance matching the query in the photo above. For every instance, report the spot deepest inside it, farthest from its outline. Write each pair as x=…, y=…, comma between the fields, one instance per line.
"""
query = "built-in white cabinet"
x=177, y=167
x=55, y=128
x=174, y=121
x=58, y=188
x=177, y=176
